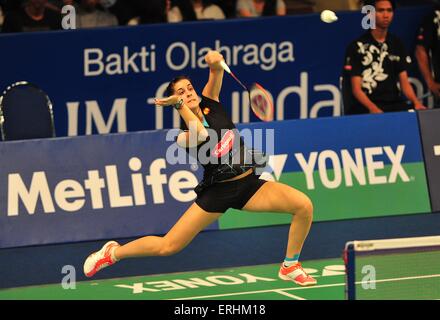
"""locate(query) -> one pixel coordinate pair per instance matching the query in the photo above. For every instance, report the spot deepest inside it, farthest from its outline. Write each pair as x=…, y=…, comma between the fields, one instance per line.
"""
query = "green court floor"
x=259, y=282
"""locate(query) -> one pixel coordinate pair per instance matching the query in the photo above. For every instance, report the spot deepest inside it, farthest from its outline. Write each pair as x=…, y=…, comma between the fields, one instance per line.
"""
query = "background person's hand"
x=376, y=110
x=434, y=87
x=419, y=106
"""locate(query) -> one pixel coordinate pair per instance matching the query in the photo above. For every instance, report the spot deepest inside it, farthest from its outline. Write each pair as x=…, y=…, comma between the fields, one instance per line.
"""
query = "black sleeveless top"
x=223, y=155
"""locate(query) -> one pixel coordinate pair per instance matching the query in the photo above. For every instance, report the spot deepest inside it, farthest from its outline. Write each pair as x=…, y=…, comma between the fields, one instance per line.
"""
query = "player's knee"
x=169, y=248
x=306, y=210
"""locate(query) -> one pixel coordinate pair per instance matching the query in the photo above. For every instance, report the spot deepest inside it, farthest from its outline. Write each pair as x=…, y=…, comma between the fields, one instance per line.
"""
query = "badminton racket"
x=259, y=98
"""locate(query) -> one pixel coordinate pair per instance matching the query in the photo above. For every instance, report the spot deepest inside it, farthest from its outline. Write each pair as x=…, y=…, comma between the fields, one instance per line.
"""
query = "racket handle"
x=225, y=66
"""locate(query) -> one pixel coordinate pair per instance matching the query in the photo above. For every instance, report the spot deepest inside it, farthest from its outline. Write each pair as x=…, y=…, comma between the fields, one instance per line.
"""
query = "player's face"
x=384, y=14
x=185, y=90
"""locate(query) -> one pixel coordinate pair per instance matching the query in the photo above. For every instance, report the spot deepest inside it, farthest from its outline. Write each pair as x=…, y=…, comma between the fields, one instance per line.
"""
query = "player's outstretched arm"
x=197, y=133
x=214, y=85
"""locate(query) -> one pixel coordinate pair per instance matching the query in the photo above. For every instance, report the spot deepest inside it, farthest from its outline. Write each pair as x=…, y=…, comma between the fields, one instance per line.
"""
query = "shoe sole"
x=286, y=278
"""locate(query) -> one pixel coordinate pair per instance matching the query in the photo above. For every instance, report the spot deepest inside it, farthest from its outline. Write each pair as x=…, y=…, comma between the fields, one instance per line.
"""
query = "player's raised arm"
x=214, y=85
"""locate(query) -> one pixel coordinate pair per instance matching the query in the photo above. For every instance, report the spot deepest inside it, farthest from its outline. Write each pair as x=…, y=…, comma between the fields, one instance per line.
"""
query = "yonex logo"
x=276, y=165
x=363, y=167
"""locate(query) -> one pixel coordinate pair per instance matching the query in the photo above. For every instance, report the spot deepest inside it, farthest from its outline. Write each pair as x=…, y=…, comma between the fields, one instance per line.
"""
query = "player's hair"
x=373, y=3
x=170, y=88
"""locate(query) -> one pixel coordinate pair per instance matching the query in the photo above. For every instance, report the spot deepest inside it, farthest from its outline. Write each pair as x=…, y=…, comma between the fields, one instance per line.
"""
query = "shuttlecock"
x=328, y=16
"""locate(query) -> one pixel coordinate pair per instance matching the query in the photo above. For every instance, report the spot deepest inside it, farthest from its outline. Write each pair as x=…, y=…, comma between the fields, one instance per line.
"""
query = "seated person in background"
x=58, y=4
x=1, y=17
x=258, y=8
x=190, y=10
x=428, y=52
x=124, y=10
x=10, y=5
x=152, y=11
x=134, y=12
x=34, y=16
x=228, y=7
x=376, y=62
x=89, y=15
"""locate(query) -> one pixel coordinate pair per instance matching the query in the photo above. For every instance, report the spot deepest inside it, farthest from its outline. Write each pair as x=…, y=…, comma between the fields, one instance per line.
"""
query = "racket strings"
x=260, y=102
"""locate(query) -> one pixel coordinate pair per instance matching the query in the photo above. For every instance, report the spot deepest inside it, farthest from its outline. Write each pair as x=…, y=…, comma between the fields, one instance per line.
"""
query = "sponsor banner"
x=135, y=184
x=351, y=167
x=103, y=80
x=86, y=188
x=430, y=132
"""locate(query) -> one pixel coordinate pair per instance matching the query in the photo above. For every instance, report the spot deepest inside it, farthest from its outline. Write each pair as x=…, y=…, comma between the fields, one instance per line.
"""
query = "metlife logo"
x=141, y=180
x=71, y=195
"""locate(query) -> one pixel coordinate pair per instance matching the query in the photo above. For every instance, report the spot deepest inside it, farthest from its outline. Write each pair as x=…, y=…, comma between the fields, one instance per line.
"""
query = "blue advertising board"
x=103, y=80
x=134, y=184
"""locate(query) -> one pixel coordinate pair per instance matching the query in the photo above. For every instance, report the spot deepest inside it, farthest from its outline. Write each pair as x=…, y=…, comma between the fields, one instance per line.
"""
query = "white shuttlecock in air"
x=328, y=16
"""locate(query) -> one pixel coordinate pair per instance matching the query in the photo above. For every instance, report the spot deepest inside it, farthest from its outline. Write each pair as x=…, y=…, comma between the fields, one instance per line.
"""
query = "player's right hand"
x=213, y=59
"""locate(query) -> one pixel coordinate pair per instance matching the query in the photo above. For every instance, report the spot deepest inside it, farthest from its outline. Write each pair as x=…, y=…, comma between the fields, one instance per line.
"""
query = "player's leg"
x=278, y=197
x=194, y=220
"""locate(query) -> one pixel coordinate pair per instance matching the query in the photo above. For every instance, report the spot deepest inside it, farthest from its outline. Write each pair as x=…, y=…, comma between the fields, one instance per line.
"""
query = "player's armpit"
x=185, y=140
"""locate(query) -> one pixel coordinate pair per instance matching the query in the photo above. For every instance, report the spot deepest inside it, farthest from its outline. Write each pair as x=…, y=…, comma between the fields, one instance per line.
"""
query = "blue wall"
x=210, y=249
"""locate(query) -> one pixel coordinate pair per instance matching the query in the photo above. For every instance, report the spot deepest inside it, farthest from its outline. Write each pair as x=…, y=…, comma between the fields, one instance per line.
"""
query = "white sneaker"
x=100, y=259
x=296, y=274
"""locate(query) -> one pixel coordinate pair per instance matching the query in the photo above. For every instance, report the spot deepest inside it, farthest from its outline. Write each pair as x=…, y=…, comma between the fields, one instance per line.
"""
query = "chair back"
x=25, y=113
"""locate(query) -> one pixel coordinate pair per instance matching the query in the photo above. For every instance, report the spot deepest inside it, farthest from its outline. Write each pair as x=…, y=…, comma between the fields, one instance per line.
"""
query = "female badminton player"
x=224, y=186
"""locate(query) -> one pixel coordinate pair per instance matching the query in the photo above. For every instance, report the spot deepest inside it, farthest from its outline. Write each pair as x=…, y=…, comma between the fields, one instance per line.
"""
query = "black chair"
x=25, y=113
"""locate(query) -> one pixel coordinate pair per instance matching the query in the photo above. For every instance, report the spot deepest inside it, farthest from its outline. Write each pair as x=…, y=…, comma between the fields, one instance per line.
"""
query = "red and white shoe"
x=100, y=259
x=296, y=274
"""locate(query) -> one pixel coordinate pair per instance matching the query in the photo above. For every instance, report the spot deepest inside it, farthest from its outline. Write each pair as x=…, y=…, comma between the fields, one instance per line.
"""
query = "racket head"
x=261, y=102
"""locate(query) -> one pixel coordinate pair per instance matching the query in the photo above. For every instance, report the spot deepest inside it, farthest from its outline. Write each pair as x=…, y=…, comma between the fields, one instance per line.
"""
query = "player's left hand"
x=168, y=101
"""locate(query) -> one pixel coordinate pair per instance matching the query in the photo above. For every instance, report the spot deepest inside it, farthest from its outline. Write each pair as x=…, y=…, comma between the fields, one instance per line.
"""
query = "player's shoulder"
x=209, y=102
